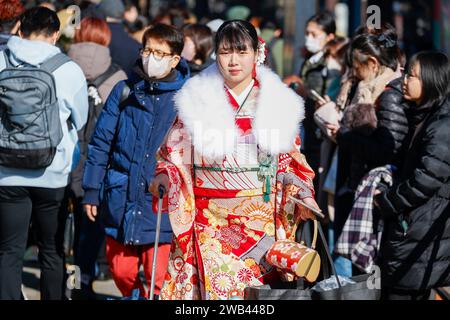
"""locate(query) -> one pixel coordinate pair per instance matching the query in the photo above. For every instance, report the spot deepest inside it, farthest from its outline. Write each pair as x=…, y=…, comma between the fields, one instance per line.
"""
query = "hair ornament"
x=262, y=52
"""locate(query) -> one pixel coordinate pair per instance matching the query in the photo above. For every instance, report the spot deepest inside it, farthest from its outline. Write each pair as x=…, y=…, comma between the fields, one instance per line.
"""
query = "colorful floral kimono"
x=231, y=169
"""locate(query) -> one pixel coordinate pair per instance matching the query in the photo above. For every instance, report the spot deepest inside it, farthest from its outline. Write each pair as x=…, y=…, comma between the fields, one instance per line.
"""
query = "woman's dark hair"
x=382, y=46
x=39, y=20
x=435, y=76
x=236, y=35
x=202, y=37
x=386, y=38
x=168, y=34
x=325, y=20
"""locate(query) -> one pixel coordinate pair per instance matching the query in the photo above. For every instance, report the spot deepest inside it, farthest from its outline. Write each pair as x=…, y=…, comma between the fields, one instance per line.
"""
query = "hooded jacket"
x=94, y=60
x=71, y=92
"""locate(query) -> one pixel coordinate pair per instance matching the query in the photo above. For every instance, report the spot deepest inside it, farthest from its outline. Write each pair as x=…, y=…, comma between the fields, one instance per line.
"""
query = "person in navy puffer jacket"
x=121, y=159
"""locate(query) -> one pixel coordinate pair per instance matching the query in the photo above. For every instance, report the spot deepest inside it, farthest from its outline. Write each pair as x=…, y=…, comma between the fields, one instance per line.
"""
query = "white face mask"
x=314, y=45
x=154, y=68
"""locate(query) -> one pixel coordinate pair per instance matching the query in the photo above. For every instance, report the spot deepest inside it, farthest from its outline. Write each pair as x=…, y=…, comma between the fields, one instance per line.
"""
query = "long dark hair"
x=383, y=46
x=435, y=77
x=202, y=37
x=236, y=34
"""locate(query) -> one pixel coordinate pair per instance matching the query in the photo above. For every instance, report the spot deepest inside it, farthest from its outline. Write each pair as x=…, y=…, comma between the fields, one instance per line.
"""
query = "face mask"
x=154, y=68
x=313, y=45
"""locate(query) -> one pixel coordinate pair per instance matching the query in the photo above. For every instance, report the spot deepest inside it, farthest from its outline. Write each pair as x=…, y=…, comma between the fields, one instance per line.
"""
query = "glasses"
x=158, y=54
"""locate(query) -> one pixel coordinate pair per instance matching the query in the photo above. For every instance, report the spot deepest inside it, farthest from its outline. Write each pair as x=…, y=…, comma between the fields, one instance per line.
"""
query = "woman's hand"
x=320, y=103
x=311, y=202
x=334, y=128
x=160, y=180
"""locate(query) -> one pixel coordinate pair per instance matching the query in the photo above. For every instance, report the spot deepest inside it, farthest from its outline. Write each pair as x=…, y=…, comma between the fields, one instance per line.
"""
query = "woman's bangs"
x=236, y=41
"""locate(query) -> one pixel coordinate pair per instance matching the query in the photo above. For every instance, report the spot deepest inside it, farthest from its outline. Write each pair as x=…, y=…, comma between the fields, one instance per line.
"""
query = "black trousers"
x=18, y=207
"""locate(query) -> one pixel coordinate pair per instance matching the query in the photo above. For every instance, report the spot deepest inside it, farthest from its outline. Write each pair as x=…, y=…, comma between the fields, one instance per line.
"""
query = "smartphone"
x=317, y=96
x=314, y=210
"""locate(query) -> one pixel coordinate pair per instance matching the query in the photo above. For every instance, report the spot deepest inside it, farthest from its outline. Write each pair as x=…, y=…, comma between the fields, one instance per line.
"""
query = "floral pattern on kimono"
x=221, y=235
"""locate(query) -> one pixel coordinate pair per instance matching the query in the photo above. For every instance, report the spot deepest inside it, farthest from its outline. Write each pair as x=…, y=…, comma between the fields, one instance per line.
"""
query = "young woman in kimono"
x=229, y=164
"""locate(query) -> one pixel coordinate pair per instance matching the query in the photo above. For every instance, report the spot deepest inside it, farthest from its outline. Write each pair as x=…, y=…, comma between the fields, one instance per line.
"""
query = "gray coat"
x=94, y=60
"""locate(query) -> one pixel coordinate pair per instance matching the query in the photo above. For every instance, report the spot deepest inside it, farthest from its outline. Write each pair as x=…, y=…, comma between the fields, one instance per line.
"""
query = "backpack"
x=30, y=127
x=84, y=135
x=95, y=105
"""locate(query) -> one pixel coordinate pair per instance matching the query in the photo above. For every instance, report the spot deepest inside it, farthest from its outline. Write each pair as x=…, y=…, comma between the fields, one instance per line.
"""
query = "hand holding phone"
x=318, y=97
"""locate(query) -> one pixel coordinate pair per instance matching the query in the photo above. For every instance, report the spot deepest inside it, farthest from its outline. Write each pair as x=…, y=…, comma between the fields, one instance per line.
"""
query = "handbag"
x=327, y=114
x=294, y=290
x=361, y=288
x=290, y=256
x=309, y=268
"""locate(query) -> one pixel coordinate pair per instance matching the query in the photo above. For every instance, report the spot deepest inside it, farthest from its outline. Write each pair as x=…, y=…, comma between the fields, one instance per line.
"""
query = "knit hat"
x=112, y=8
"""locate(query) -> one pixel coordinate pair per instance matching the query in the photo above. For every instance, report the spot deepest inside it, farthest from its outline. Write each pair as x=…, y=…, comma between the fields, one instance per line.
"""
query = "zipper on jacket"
x=141, y=183
x=132, y=227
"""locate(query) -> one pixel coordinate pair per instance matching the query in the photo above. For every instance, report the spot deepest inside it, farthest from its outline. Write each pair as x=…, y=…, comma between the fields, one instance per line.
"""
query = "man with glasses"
x=121, y=159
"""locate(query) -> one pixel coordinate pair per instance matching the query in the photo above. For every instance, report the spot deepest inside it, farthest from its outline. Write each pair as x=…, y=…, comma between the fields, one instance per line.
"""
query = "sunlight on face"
x=412, y=85
x=234, y=65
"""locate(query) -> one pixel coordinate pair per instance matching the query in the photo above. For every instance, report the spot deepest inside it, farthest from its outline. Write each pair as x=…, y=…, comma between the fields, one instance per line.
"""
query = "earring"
x=254, y=71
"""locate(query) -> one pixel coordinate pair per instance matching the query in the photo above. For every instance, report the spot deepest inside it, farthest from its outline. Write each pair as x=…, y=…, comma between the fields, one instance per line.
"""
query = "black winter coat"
x=416, y=250
x=384, y=145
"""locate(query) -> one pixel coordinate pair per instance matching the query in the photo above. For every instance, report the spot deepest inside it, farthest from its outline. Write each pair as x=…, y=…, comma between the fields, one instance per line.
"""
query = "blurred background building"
x=421, y=24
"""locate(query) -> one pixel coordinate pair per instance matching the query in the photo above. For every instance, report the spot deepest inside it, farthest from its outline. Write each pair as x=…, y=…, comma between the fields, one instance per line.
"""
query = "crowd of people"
x=97, y=117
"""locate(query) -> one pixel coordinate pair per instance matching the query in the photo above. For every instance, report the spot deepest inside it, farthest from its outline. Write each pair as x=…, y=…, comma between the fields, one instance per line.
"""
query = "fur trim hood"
x=205, y=111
